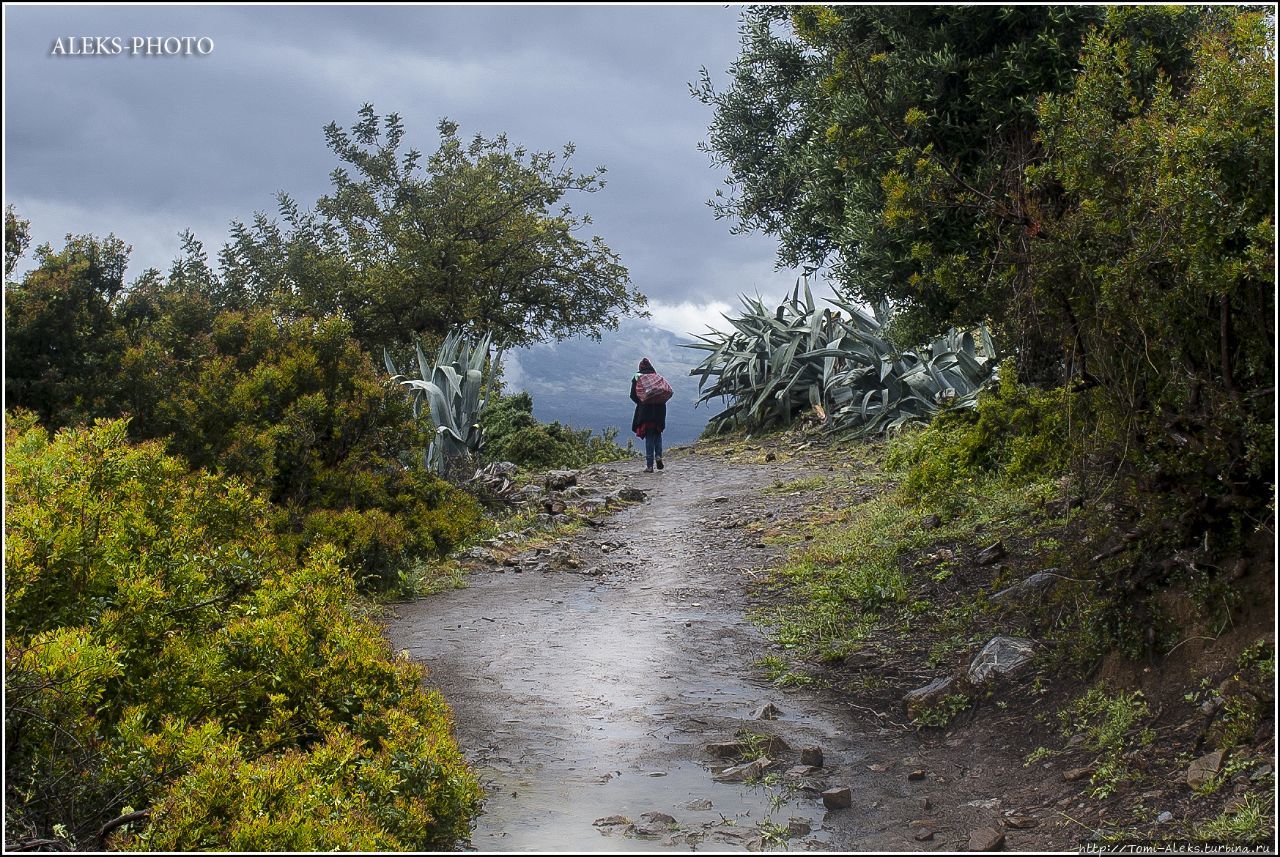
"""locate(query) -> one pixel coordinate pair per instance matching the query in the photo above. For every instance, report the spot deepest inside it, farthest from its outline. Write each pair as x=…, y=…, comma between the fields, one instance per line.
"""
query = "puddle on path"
x=535, y=814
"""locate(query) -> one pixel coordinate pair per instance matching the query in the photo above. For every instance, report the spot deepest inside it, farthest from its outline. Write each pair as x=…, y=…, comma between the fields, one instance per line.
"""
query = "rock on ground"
x=768, y=711
x=742, y=773
x=558, y=480
x=1002, y=656
x=1037, y=584
x=986, y=839
x=929, y=696
x=837, y=798
x=1204, y=769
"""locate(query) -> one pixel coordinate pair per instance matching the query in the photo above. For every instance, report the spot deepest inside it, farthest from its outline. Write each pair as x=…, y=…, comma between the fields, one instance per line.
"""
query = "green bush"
x=296, y=409
x=505, y=417
x=1015, y=432
x=165, y=651
x=1162, y=262
x=513, y=434
x=291, y=405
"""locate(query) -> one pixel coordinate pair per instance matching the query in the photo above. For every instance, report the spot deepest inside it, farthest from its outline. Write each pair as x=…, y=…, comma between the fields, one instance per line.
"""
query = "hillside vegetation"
x=209, y=476
x=1095, y=188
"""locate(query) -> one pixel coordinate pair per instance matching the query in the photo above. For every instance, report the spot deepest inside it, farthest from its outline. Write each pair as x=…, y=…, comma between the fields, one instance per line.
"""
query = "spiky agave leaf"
x=773, y=363
x=450, y=389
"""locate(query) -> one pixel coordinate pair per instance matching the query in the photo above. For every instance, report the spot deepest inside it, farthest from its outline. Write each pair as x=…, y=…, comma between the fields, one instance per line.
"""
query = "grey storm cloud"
x=148, y=146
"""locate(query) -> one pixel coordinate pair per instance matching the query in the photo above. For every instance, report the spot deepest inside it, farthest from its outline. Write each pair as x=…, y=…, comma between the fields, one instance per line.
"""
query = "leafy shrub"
x=940, y=715
x=62, y=343
x=380, y=544
x=513, y=434
x=298, y=410
x=1016, y=432
x=1163, y=262
x=165, y=651
x=506, y=416
x=291, y=405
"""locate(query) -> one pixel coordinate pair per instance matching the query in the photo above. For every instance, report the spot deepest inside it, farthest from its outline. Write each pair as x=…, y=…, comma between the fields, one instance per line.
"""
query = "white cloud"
x=690, y=317
x=687, y=317
x=513, y=374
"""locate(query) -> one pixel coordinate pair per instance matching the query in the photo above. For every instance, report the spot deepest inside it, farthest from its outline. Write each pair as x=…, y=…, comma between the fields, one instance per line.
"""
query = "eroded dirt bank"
x=593, y=692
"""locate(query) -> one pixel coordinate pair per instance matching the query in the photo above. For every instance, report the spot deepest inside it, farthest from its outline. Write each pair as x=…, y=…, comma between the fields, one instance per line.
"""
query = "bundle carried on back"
x=652, y=388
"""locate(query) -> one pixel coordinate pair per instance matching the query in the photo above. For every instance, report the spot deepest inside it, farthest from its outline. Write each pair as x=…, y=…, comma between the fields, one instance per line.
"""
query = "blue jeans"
x=652, y=446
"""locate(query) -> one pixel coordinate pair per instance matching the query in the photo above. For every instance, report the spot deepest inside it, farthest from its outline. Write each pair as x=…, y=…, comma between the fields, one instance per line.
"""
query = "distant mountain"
x=585, y=384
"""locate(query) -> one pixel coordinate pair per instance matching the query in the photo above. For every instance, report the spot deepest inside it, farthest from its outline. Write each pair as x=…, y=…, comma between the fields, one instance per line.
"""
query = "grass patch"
x=823, y=629
x=1235, y=765
x=757, y=744
x=856, y=560
x=772, y=834
x=1249, y=823
x=778, y=671
x=1109, y=724
x=429, y=578
x=1039, y=754
x=860, y=560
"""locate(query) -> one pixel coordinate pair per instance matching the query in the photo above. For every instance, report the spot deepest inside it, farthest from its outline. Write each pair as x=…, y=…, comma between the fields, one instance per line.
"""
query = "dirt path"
x=580, y=696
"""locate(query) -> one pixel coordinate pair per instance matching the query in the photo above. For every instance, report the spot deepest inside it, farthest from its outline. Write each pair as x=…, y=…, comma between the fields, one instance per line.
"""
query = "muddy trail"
x=590, y=697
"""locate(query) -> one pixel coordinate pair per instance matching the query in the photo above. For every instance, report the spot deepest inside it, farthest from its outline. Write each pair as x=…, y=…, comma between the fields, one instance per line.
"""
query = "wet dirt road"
x=589, y=694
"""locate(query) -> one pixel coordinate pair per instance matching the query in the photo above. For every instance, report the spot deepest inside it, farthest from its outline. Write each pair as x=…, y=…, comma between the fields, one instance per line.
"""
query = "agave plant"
x=764, y=368
x=774, y=364
x=448, y=394
x=882, y=389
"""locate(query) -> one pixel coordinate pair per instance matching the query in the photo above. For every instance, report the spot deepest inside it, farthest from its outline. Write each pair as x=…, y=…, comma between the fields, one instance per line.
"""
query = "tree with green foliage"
x=891, y=143
x=475, y=235
x=1163, y=257
x=17, y=237
x=1098, y=182
x=62, y=340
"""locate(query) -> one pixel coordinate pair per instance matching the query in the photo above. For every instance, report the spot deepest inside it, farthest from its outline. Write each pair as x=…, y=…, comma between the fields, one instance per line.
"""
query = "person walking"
x=650, y=420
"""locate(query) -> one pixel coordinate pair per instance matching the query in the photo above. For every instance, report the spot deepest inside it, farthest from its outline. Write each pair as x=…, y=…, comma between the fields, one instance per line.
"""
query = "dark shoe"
x=659, y=463
x=648, y=470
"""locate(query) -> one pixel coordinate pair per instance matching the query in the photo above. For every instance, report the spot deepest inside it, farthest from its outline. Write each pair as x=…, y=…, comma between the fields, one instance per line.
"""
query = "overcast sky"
x=146, y=146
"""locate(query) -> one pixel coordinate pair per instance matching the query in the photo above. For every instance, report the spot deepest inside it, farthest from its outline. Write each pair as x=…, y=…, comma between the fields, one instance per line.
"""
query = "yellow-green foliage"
x=1017, y=432
x=1250, y=822
x=841, y=578
x=298, y=410
x=164, y=651
x=855, y=563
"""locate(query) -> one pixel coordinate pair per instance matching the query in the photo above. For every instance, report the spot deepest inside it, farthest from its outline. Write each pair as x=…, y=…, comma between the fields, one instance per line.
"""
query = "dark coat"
x=654, y=415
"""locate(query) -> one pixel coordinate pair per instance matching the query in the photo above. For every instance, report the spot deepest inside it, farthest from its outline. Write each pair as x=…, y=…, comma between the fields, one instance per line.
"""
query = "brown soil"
x=586, y=692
